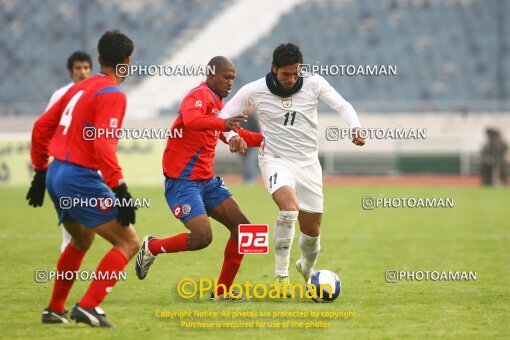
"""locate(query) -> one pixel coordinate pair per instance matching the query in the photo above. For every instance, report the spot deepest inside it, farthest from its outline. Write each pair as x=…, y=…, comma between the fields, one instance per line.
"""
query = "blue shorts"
x=188, y=199
x=69, y=183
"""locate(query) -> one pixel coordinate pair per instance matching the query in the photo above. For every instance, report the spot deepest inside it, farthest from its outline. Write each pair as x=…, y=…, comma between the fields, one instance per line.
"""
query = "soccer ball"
x=324, y=286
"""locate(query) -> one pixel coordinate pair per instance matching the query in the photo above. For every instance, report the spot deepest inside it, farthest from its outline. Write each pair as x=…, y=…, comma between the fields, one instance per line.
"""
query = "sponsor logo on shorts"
x=104, y=206
x=178, y=211
x=186, y=209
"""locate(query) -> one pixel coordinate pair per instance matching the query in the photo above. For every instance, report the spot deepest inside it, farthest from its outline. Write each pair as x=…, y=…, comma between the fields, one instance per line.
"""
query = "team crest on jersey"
x=178, y=211
x=186, y=209
x=287, y=102
x=198, y=103
x=114, y=123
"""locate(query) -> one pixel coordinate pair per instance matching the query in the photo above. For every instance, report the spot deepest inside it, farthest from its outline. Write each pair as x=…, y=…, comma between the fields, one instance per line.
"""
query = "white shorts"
x=305, y=180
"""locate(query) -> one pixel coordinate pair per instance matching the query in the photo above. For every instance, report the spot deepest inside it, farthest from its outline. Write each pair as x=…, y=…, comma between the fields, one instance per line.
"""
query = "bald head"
x=218, y=62
x=223, y=75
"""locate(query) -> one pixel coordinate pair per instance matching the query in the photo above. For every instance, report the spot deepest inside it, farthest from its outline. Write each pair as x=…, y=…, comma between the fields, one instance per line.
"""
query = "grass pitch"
x=357, y=244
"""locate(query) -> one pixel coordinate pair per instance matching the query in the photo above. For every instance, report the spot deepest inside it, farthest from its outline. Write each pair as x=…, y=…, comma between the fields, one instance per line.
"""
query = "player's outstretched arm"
x=43, y=131
x=237, y=144
x=356, y=137
x=253, y=139
x=236, y=105
x=241, y=139
x=194, y=113
x=334, y=100
x=232, y=123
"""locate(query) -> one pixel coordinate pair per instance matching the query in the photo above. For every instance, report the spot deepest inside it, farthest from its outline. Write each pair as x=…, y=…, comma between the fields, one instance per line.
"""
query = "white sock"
x=310, y=247
x=284, y=230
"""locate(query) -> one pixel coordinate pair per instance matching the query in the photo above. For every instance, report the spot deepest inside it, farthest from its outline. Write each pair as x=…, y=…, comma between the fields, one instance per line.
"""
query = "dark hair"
x=114, y=47
x=287, y=54
x=78, y=56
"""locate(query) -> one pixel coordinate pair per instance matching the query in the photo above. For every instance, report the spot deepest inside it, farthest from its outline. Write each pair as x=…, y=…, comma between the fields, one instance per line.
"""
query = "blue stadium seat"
x=446, y=51
x=37, y=37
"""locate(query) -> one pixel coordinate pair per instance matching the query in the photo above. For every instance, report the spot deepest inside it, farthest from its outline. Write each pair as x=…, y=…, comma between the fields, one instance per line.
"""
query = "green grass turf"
x=359, y=245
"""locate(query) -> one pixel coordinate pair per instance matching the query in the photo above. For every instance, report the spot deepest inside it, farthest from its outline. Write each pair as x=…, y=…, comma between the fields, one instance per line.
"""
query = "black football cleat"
x=94, y=317
x=50, y=316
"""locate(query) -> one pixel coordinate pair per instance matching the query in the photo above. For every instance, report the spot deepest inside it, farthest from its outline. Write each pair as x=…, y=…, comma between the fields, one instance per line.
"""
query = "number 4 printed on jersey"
x=67, y=115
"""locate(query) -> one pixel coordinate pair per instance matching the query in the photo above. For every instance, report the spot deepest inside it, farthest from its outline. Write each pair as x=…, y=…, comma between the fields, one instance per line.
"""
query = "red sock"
x=231, y=263
x=69, y=261
x=113, y=262
x=172, y=244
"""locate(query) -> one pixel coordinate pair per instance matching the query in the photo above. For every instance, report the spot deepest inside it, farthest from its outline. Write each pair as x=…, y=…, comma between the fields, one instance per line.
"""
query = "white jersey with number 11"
x=289, y=125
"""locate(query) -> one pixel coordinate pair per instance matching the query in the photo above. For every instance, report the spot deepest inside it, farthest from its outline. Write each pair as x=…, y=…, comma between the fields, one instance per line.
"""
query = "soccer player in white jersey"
x=287, y=109
x=79, y=66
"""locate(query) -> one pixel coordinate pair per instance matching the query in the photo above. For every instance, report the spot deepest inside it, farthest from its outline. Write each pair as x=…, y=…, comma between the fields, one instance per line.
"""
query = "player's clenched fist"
x=35, y=195
x=357, y=139
x=232, y=122
x=237, y=144
x=126, y=214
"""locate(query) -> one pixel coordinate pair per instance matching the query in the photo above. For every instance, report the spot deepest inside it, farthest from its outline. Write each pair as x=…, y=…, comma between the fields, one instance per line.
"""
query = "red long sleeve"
x=194, y=114
x=110, y=108
x=252, y=139
x=44, y=129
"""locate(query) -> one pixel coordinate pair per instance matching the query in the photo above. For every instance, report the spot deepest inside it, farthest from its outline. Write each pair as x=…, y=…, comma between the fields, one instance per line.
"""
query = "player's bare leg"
x=284, y=231
x=309, y=242
x=230, y=215
x=69, y=261
x=122, y=238
x=200, y=236
x=125, y=245
x=81, y=237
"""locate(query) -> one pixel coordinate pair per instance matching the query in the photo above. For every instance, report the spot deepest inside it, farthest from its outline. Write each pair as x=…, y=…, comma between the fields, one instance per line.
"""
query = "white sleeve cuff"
x=229, y=135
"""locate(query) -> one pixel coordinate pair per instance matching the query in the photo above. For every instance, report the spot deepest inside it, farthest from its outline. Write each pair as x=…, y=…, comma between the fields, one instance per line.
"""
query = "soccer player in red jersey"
x=192, y=191
x=79, y=65
x=63, y=132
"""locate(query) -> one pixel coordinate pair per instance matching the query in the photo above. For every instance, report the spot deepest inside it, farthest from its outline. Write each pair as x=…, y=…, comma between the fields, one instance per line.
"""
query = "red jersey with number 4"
x=66, y=130
x=192, y=156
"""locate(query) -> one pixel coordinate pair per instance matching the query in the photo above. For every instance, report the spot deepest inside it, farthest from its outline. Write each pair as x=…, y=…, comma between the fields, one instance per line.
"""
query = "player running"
x=79, y=65
x=192, y=191
x=287, y=109
x=96, y=102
